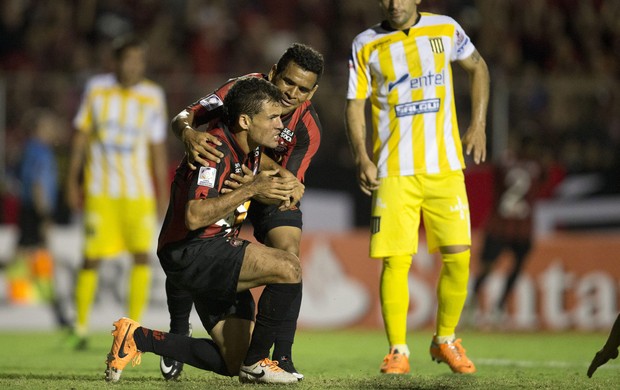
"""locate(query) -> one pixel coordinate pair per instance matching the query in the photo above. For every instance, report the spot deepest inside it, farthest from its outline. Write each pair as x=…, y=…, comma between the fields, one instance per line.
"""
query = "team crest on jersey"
x=206, y=176
x=211, y=102
x=436, y=45
x=375, y=225
x=238, y=168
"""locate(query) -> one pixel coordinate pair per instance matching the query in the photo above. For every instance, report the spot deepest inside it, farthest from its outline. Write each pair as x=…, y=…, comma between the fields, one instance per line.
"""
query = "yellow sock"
x=451, y=291
x=395, y=297
x=139, y=287
x=85, y=289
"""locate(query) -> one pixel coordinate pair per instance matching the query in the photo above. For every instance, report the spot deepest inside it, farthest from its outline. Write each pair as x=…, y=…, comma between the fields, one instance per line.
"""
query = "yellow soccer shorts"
x=401, y=202
x=113, y=226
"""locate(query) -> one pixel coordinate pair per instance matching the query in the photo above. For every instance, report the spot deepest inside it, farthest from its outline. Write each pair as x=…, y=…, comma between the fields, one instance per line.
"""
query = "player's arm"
x=204, y=212
x=197, y=143
x=159, y=160
x=355, y=123
x=76, y=161
x=474, y=139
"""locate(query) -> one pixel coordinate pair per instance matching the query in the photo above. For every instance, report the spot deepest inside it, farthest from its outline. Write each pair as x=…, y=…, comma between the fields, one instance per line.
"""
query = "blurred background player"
x=297, y=75
x=519, y=178
x=404, y=66
x=120, y=146
x=38, y=176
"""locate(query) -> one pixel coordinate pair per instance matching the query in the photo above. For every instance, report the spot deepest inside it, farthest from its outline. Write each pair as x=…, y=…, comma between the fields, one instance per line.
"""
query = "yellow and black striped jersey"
x=408, y=77
x=121, y=123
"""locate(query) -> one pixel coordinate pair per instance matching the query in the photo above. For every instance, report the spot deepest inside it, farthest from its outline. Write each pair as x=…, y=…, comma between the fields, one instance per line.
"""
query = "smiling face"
x=264, y=127
x=297, y=84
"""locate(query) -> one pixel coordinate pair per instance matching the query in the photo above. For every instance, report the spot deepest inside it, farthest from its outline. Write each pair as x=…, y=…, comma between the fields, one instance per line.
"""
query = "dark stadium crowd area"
x=554, y=68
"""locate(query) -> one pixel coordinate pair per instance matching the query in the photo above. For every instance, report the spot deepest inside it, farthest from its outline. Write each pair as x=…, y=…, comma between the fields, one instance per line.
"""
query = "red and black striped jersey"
x=517, y=186
x=206, y=182
x=299, y=141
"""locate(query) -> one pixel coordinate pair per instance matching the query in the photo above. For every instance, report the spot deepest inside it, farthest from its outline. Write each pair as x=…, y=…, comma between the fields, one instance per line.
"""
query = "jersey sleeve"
x=359, y=71
x=463, y=46
x=83, y=120
x=308, y=134
x=159, y=117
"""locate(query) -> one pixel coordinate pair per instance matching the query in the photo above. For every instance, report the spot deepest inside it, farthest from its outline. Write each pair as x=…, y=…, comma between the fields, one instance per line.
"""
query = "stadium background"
x=554, y=69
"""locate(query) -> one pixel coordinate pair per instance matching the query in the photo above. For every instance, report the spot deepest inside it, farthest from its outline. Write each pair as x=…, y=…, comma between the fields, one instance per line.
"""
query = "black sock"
x=285, y=335
x=200, y=353
x=273, y=305
x=179, y=306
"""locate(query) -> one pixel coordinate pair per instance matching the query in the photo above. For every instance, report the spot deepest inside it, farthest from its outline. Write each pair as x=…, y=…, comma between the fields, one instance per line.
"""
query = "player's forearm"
x=480, y=83
x=204, y=212
x=182, y=123
x=355, y=124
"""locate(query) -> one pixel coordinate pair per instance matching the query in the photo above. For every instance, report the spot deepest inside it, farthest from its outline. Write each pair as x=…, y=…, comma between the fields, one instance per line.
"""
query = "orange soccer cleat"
x=453, y=354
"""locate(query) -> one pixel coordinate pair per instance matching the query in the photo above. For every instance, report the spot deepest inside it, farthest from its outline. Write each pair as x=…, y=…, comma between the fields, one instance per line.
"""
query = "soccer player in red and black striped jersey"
x=520, y=178
x=297, y=75
x=201, y=253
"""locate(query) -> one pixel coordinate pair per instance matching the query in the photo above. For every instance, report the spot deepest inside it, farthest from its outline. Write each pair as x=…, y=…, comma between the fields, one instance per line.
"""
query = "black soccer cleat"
x=287, y=365
x=171, y=369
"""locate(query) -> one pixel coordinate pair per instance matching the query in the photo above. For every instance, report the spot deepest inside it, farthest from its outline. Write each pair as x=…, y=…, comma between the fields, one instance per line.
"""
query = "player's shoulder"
x=370, y=34
x=431, y=19
x=150, y=86
x=101, y=80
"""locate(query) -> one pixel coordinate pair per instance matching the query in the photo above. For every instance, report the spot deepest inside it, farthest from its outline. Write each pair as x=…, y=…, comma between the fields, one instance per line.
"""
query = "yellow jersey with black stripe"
x=121, y=123
x=408, y=77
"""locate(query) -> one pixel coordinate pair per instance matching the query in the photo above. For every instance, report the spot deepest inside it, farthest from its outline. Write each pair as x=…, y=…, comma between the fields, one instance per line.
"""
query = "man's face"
x=265, y=127
x=131, y=66
x=400, y=14
x=297, y=84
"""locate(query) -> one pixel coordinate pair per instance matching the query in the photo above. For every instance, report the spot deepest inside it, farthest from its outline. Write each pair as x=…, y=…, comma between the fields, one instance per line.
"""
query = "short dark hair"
x=247, y=96
x=303, y=55
x=124, y=42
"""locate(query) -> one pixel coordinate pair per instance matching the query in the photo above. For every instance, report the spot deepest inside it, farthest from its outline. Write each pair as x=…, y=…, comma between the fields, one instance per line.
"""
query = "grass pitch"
x=329, y=360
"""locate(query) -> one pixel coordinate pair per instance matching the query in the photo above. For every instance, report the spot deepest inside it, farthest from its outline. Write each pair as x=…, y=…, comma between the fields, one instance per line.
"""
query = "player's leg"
x=446, y=221
x=138, y=220
x=280, y=272
x=287, y=238
x=520, y=251
x=179, y=302
x=491, y=249
x=131, y=340
x=395, y=220
x=103, y=239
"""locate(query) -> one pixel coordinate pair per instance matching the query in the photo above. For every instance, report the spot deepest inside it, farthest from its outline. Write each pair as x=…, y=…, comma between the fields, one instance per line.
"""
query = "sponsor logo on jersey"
x=429, y=80
x=211, y=102
x=206, y=177
x=395, y=83
x=418, y=107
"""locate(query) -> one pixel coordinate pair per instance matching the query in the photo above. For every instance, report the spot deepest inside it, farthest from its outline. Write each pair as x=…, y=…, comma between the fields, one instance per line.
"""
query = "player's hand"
x=367, y=177
x=269, y=186
x=199, y=147
x=475, y=141
x=298, y=190
x=601, y=358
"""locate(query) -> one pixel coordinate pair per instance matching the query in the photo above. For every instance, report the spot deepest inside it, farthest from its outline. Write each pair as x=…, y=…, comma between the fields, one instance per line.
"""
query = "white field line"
x=531, y=363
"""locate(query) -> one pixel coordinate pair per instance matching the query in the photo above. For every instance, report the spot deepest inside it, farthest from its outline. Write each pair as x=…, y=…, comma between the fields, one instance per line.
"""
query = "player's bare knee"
x=291, y=268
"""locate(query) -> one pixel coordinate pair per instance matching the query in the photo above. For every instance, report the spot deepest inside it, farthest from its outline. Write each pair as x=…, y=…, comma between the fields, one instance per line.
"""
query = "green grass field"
x=330, y=360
